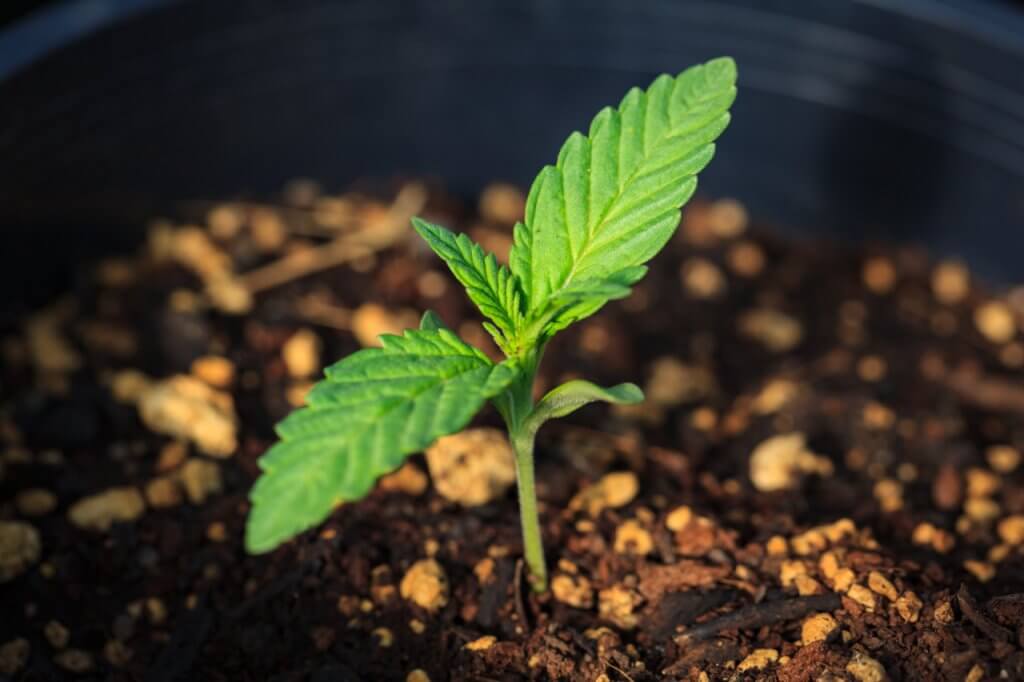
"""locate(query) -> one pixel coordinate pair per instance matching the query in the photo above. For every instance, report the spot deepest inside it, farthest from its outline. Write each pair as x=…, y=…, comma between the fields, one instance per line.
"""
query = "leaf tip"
x=722, y=70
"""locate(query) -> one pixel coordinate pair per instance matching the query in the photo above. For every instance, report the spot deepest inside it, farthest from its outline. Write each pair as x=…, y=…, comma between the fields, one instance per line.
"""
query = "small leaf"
x=373, y=409
x=573, y=395
x=491, y=286
x=432, y=322
x=612, y=200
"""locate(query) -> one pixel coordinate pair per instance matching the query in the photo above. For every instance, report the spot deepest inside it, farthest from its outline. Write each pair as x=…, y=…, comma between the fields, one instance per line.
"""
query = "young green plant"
x=593, y=220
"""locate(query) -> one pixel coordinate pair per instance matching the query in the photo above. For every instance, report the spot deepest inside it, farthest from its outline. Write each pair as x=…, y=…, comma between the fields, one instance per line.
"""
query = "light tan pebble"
x=818, y=628
x=872, y=368
x=614, y=490
x=975, y=674
x=909, y=606
x=417, y=675
x=829, y=564
x=225, y=221
x=301, y=354
x=14, y=655
x=215, y=370
x=163, y=492
x=616, y=604
x=632, y=538
x=431, y=547
x=229, y=295
x=75, y=661
x=1003, y=458
x=408, y=479
x=117, y=653
x=842, y=581
x=950, y=282
x=426, y=585
x=35, y=502
x=172, y=456
x=56, y=634
x=878, y=417
x=672, y=382
x=879, y=584
x=484, y=570
x=982, y=510
x=268, y=231
x=575, y=591
x=806, y=586
x=790, y=570
x=998, y=553
x=809, y=542
x=156, y=610
x=889, y=493
x=370, y=320
x=678, y=518
x=472, y=467
x=879, y=275
x=702, y=279
x=1011, y=530
x=216, y=532
x=839, y=530
x=746, y=259
x=296, y=393
x=418, y=627
x=20, y=548
x=775, y=395
x=49, y=348
x=995, y=322
x=502, y=203
x=99, y=512
x=981, y=482
x=943, y=541
x=481, y=644
x=923, y=534
x=385, y=638
x=128, y=385
x=431, y=284
x=775, y=330
x=185, y=407
x=943, y=612
x=727, y=218
x=863, y=668
x=777, y=546
x=780, y=462
x=982, y=570
x=759, y=659
x=200, y=478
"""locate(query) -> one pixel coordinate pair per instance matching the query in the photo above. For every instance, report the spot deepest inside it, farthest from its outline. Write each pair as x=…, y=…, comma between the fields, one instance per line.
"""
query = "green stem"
x=533, y=546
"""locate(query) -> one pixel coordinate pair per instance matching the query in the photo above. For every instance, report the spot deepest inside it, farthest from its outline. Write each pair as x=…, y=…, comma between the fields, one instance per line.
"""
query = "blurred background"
x=857, y=119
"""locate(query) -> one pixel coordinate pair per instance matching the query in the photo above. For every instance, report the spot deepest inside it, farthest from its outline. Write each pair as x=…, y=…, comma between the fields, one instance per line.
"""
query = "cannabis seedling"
x=607, y=206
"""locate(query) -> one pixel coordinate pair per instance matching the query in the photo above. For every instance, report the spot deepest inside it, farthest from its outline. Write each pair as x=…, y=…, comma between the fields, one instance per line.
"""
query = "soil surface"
x=824, y=483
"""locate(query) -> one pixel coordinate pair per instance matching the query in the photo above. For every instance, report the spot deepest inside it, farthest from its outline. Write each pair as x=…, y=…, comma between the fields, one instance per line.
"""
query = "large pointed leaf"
x=491, y=286
x=374, y=408
x=612, y=200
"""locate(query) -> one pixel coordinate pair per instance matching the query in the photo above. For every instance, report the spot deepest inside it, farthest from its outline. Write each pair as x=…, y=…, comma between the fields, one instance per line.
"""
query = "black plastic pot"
x=864, y=118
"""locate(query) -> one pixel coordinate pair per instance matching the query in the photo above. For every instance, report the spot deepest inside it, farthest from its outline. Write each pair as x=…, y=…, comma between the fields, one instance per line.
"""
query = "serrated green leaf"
x=373, y=409
x=573, y=395
x=490, y=285
x=612, y=200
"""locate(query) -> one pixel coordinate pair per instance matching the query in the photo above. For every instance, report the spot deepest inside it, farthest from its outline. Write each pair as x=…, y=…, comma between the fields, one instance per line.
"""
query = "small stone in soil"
x=301, y=354
x=14, y=655
x=574, y=591
x=35, y=502
x=115, y=505
x=200, y=478
x=818, y=628
x=614, y=490
x=866, y=669
x=426, y=585
x=473, y=467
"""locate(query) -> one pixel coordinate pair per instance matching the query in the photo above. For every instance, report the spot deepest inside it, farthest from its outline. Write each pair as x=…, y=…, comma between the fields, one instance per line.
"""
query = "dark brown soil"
x=904, y=526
